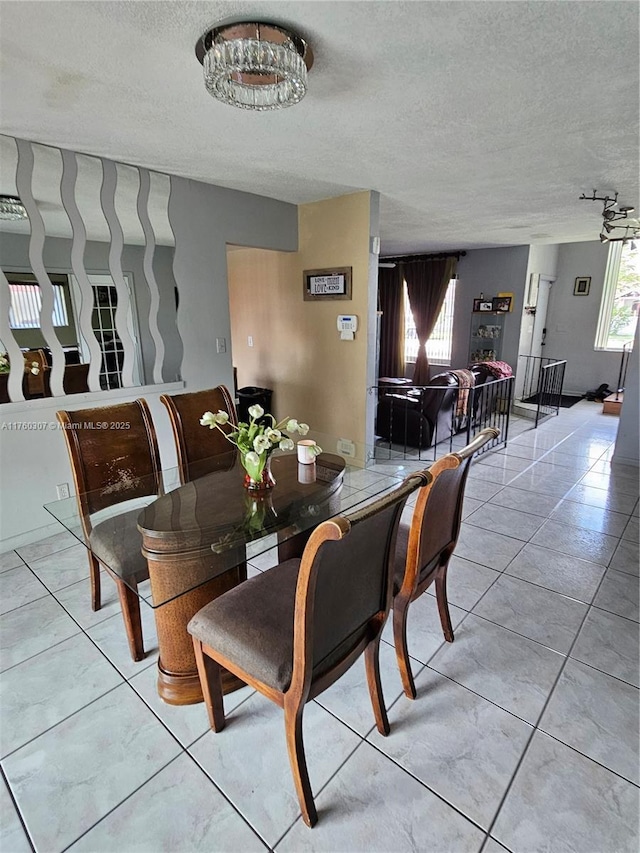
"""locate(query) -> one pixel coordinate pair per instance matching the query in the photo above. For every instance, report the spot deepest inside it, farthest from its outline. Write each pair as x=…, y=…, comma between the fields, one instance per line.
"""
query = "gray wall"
x=572, y=320
x=489, y=271
x=204, y=219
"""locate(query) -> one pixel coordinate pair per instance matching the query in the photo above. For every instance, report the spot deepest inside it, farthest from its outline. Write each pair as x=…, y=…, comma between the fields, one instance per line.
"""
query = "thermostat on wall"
x=347, y=326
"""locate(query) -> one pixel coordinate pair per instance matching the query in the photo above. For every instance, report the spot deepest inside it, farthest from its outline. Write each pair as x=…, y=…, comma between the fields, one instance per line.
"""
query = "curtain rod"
x=410, y=259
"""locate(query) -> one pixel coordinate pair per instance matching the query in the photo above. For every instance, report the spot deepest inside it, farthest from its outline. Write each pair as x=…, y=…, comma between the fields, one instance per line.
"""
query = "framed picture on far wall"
x=481, y=305
x=502, y=303
x=582, y=285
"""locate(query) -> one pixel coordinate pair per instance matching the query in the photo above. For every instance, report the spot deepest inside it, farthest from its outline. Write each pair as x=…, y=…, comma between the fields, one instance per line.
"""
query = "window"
x=620, y=297
x=26, y=301
x=103, y=323
x=103, y=326
x=441, y=340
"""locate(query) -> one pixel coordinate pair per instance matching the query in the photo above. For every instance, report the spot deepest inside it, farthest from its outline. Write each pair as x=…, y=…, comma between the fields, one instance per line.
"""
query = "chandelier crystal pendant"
x=12, y=208
x=255, y=66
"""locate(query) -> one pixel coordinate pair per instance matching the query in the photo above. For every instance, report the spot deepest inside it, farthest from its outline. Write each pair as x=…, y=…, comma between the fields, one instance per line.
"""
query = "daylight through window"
x=620, y=298
x=26, y=302
x=440, y=343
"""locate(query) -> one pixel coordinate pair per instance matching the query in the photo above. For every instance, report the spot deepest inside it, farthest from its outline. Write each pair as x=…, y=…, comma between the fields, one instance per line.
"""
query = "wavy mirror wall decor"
x=87, y=294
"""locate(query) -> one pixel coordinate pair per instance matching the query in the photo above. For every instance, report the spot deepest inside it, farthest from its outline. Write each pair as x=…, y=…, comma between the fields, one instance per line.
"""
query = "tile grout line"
x=17, y=809
x=536, y=727
x=423, y=667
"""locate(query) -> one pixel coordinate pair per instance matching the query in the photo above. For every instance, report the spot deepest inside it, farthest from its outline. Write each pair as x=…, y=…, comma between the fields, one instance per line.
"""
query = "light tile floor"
x=524, y=734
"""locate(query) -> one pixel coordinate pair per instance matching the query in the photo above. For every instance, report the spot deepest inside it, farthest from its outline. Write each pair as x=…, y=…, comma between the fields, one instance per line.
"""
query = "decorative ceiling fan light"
x=12, y=208
x=255, y=65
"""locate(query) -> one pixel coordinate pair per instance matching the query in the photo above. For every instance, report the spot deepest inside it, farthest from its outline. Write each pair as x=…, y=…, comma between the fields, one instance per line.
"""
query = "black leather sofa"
x=423, y=416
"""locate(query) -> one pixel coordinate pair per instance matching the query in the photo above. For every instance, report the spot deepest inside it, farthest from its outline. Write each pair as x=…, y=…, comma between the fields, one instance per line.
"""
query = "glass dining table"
x=199, y=535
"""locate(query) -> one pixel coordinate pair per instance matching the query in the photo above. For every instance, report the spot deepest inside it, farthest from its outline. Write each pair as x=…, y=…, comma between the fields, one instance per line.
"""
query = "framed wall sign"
x=334, y=283
x=582, y=285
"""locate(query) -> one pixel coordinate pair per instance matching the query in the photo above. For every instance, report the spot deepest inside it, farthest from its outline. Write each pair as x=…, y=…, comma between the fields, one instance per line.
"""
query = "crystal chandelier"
x=255, y=66
x=11, y=208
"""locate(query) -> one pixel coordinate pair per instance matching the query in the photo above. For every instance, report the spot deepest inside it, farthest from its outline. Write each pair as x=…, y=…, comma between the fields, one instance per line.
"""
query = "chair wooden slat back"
x=114, y=454
x=195, y=445
x=37, y=383
x=75, y=380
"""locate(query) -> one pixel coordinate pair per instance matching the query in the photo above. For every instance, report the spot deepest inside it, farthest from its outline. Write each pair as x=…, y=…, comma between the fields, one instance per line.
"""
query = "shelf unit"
x=487, y=333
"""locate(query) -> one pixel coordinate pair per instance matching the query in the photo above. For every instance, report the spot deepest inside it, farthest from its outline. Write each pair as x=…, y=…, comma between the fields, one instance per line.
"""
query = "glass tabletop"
x=196, y=530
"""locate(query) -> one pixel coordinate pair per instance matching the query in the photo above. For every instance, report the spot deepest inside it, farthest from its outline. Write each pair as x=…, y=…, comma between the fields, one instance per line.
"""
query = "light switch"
x=221, y=344
x=250, y=341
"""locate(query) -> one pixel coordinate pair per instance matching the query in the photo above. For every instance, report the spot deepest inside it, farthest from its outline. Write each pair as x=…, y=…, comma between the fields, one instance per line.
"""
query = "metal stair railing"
x=486, y=405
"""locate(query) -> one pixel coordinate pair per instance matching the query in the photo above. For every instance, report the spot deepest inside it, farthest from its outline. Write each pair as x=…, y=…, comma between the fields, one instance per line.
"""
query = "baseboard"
x=30, y=536
x=625, y=460
x=524, y=410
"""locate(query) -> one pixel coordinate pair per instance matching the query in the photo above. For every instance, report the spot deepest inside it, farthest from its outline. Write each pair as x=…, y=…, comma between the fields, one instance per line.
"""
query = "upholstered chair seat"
x=252, y=624
x=117, y=543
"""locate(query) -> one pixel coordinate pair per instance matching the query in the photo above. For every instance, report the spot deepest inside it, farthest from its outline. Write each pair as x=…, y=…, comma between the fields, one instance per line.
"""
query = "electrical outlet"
x=221, y=345
x=346, y=447
x=63, y=491
x=250, y=341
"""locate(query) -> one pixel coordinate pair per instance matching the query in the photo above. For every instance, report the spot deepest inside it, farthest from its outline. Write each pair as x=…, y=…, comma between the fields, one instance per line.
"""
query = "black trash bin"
x=249, y=396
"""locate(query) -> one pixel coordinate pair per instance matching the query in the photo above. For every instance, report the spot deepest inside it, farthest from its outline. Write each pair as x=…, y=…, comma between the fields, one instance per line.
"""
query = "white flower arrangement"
x=256, y=442
x=5, y=365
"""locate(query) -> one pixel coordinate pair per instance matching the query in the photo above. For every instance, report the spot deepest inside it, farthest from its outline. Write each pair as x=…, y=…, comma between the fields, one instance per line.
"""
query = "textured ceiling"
x=480, y=123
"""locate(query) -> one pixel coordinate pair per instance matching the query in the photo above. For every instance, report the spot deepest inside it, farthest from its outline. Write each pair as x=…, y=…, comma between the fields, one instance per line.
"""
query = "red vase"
x=266, y=481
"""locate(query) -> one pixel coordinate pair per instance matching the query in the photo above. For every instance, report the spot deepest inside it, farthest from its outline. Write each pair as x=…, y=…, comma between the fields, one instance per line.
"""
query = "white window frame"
x=611, y=275
x=449, y=300
x=101, y=280
x=26, y=307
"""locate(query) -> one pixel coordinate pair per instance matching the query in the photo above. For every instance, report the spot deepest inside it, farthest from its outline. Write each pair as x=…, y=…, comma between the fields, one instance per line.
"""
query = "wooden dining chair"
x=295, y=629
x=112, y=464
x=426, y=544
x=36, y=384
x=76, y=379
x=196, y=447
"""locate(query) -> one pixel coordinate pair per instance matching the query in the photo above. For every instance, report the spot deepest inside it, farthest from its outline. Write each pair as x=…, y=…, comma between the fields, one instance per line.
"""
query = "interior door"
x=532, y=334
x=540, y=319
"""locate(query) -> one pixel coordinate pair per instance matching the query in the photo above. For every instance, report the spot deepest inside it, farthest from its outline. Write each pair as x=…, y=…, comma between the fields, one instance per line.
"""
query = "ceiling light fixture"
x=254, y=65
x=613, y=212
x=12, y=208
x=631, y=232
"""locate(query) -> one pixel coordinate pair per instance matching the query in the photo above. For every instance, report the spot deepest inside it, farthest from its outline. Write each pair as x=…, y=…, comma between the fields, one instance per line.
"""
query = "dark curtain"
x=427, y=283
x=391, y=303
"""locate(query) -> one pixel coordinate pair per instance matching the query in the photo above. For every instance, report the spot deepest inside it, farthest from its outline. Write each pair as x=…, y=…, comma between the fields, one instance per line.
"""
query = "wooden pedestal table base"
x=178, y=530
x=169, y=573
